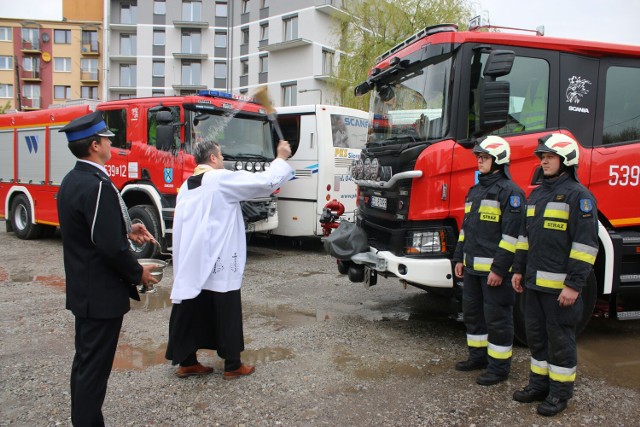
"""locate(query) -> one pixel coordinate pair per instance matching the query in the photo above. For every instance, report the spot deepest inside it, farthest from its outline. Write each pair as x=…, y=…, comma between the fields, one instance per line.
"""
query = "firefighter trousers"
x=551, y=336
x=488, y=318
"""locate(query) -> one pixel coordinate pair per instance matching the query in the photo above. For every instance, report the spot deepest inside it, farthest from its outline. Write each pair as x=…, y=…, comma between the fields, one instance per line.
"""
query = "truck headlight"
x=424, y=242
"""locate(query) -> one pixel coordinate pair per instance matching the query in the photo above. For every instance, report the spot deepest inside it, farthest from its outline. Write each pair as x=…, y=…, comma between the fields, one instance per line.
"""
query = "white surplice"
x=209, y=241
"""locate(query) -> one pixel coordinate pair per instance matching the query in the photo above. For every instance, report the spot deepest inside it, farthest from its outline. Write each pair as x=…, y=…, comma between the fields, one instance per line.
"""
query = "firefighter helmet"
x=496, y=147
x=561, y=145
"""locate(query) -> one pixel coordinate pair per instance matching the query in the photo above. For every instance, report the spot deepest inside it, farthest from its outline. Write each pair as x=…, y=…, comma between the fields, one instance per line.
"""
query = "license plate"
x=378, y=202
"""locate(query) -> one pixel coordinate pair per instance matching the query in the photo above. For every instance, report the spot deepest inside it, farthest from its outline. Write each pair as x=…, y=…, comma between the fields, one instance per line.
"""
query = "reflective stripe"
x=546, y=279
x=490, y=206
x=523, y=243
x=584, y=253
x=482, y=264
x=477, y=340
x=508, y=243
x=557, y=210
x=499, y=351
x=560, y=374
x=467, y=207
x=539, y=367
x=531, y=210
x=461, y=237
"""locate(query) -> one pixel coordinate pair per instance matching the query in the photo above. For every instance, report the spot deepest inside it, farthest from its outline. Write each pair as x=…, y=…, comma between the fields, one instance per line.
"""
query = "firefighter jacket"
x=489, y=233
x=558, y=243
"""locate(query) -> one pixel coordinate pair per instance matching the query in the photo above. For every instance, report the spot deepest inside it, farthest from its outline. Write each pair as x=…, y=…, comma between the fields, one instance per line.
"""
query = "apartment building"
x=50, y=62
x=176, y=47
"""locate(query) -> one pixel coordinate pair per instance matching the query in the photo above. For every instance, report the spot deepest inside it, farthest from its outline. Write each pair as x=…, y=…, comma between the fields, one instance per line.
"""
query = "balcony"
x=127, y=58
x=129, y=28
x=190, y=55
x=31, y=103
x=89, y=76
x=90, y=49
x=30, y=75
x=30, y=46
x=191, y=24
x=288, y=44
x=188, y=86
x=332, y=8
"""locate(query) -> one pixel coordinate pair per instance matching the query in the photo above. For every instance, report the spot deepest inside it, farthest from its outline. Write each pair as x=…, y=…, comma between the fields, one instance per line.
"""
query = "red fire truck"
x=433, y=95
x=151, y=158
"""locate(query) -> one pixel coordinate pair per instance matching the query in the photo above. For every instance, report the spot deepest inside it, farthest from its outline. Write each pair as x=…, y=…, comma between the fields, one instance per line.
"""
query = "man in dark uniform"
x=557, y=247
x=101, y=273
x=483, y=256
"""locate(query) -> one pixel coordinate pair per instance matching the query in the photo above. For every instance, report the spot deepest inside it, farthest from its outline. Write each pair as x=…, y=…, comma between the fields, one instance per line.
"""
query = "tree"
x=371, y=27
x=5, y=108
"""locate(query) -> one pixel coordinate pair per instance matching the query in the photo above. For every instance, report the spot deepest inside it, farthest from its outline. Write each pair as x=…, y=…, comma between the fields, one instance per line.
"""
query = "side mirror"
x=362, y=89
x=494, y=105
x=499, y=63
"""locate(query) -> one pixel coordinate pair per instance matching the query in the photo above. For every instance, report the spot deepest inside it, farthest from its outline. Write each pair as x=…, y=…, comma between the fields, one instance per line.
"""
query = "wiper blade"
x=252, y=156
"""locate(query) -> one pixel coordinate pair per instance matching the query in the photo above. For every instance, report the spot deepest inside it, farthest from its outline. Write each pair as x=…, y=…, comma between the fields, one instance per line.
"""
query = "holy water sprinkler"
x=261, y=95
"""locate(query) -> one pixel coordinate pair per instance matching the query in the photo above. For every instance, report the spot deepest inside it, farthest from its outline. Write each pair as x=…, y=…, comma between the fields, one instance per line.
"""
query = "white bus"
x=324, y=140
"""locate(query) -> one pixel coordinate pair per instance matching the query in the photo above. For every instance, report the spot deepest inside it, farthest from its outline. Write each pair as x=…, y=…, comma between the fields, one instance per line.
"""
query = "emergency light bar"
x=221, y=94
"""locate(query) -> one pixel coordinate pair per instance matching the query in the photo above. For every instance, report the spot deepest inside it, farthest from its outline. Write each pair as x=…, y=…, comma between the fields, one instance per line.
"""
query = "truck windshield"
x=413, y=107
x=239, y=137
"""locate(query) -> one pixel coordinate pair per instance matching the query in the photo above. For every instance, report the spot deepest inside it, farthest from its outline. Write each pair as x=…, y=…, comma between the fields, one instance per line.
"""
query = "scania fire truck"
x=151, y=158
x=434, y=94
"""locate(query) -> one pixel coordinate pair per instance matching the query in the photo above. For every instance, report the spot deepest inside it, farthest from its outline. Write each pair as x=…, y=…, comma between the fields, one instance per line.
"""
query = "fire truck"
x=434, y=94
x=151, y=158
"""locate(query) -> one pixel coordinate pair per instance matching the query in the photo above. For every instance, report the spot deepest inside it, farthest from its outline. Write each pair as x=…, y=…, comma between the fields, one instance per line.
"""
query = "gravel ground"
x=327, y=352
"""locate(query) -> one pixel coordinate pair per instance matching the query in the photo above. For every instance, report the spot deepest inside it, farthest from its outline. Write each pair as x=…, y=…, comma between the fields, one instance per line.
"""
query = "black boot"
x=552, y=406
x=471, y=365
x=489, y=378
x=529, y=394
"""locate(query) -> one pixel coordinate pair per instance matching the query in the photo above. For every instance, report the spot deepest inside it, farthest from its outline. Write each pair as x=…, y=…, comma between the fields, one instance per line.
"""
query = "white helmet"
x=561, y=145
x=496, y=147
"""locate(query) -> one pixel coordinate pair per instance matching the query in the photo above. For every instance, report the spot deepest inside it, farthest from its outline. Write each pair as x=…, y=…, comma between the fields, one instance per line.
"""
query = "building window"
x=5, y=34
x=129, y=13
x=127, y=75
x=191, y=10
x=62, y=36
x=291, y=28
x=222, y=10
x=90, y=41
x=158, y=69
x=265, y=3
x=244, y=67
x=61, y=65
x=245, y=6
x=157, y=93
x=32, y=92
x=220, y=40
x=264, y=63
x=159, y=7
x=6, y=90
x=89, y=69
x=327, y=62
x=220, y=70
x=89, y=92
x=245, y=36
x=61, y=92
x=31, y=38
x=128, y=44
x=190, y=42
x=190, y=73
x=158, y=38
x=126, y=96
x=264, y=32
x=6, y=63
x=289, y=95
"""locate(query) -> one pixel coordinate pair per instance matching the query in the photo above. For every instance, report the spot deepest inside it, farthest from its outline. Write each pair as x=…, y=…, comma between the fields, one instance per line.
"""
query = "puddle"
x=608, y=349
x=155, y=301
x=385, y=369
x=254, y=356
x=53, y=281
x=130, y=358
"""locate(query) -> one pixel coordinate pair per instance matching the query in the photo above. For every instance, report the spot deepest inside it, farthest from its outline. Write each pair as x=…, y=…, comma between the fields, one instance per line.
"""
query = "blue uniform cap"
x=86, y=126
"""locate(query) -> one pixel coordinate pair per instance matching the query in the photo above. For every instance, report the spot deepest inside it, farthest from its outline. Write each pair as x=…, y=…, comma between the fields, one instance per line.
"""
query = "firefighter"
x=558, y=245
x=483, y=258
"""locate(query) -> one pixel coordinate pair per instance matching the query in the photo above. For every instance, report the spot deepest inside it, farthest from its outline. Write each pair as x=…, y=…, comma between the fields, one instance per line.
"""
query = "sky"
x=614, y=21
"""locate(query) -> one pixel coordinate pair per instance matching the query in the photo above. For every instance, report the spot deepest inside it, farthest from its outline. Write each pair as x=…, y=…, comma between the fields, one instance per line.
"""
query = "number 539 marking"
x=624, y=175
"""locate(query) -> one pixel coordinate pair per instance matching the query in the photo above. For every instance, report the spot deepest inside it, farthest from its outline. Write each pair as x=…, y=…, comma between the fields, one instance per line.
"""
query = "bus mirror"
x=499, y=63
x=494, y=105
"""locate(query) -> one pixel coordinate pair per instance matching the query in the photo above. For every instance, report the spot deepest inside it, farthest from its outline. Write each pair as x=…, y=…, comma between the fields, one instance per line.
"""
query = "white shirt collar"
x=95, y=165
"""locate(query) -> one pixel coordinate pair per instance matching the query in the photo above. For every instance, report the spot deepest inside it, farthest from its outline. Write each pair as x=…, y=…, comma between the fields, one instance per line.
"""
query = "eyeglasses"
x=483, y=157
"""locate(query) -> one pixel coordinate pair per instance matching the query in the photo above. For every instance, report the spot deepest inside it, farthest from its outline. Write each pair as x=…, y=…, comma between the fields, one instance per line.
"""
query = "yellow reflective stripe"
x=531, y=210
x=560, y=374
x=556, y=210
x=461, y=237
x=499, y=351
x=546, y=279
x=490, y=210
x=477, y=340
x=508, y=243
x=467, y=208
x=539, y=367
x=583, y=252
x=482, y=264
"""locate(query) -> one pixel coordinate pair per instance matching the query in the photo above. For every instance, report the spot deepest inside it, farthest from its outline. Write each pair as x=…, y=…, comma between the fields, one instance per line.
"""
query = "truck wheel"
x=146, y=215
x=356, y=273
x=343, y=266
x=589, y=297
x=21, y=219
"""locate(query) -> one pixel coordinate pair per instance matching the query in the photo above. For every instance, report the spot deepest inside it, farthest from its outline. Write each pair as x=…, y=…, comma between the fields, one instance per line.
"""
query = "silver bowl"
x=158, y=267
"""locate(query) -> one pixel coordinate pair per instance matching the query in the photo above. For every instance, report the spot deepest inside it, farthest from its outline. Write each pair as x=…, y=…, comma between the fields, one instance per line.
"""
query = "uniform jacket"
x=209, y=239
x=559, y=241
x=101, y=272
x=492, y=220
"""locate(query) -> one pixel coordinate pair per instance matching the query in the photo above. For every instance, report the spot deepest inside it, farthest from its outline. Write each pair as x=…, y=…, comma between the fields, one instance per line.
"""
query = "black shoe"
x=470, y=365
x=552, y=406
x=529, y=394
x=488, y=378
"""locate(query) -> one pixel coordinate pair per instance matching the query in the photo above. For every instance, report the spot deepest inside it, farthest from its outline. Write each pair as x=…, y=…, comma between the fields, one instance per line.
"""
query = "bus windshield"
x=413, y=107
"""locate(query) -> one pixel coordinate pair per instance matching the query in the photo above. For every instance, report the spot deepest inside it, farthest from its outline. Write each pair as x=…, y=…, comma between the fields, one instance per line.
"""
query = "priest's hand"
x=147, y=279
x=284, y=150
x=140, y=235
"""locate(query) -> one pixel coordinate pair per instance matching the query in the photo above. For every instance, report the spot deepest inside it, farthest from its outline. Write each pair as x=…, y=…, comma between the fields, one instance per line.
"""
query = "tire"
x=356, y=273
x=146, y=215
x=343, y=266
x=22, y=219
x=589, y=297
